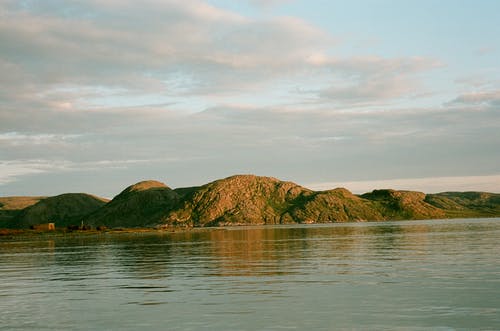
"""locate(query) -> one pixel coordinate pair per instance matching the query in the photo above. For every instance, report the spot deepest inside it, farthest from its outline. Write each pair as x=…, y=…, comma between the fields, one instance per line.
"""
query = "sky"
x=96, y=95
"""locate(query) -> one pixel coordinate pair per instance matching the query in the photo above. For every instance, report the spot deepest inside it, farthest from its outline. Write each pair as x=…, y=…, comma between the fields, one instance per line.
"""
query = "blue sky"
x=96, y=95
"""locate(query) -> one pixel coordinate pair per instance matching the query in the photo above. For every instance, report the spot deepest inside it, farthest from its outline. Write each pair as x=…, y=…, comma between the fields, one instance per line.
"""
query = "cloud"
x=482, y=98
x=265, y=4
x=369, y=90
x=191, y=91
x=299, y=145
x=13, y=170
x=18, y=139
x=369, y=80
x=86, y=55
x=486, y=50
x=136, y=45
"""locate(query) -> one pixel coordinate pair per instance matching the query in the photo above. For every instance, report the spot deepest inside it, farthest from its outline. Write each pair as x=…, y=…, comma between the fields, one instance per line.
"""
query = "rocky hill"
x=245, y=199
x=65, y=209
x=248, y=199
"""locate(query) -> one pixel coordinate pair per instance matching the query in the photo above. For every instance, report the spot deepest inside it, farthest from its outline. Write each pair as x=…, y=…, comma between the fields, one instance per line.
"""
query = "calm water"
x=441, y=275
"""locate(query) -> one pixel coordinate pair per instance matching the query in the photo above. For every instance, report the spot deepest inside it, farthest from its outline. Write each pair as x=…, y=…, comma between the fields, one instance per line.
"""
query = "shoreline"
x=6, y=234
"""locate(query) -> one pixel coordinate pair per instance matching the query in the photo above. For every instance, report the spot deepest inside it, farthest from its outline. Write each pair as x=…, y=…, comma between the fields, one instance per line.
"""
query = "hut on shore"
x=44, y=227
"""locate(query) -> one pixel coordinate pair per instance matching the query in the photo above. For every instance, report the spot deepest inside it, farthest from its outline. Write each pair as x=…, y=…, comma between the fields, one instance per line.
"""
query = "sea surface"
x=405, y=275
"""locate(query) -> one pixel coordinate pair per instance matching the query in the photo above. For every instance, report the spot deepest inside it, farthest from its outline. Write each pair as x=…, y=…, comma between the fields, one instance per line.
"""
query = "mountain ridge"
x=241, y=200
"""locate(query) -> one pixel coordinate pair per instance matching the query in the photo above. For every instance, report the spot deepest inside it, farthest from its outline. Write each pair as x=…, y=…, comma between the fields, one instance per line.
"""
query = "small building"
x=44, y=227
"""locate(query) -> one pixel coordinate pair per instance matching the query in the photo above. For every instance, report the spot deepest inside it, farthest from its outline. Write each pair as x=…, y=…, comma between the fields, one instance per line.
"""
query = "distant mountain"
x=141, y=205
x=244, y=199
x=65, y=209
x=466, y=204
x=397, y=205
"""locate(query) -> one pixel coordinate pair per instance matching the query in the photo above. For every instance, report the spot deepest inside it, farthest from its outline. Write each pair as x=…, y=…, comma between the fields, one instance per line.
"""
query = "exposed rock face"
x=242, y=199
x=140, y=205
x=64, y=209
x=403, y=205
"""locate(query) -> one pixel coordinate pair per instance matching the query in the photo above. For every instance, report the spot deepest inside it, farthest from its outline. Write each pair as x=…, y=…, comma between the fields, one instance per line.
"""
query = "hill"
x=139, y=205
x=241, y=199
x=398, y=205
x=338, y=205
x=248, y=199
x=10, y=207
x=466, y=204
x=65, y=209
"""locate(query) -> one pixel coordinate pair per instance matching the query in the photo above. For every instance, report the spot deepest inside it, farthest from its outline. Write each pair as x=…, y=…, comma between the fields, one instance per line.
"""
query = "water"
x=415, y=275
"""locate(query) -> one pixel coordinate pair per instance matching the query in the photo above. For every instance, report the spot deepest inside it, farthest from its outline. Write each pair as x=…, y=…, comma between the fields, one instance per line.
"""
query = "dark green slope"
x=11, y=207
x=141, y=205
x=65, y=209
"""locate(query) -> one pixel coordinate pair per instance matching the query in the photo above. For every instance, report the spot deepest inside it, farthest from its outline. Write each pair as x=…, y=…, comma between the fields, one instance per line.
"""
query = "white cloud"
x=11, y=170
x=481, y=98
x=19, y=139
x=57, y=55
x=266, y=4
x=372, y=79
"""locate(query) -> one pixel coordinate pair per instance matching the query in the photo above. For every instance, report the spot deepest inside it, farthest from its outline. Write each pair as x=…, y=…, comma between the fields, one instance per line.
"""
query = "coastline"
x=9, y=234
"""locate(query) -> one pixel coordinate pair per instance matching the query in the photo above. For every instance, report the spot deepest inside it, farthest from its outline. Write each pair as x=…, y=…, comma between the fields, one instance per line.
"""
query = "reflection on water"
x=392, y=275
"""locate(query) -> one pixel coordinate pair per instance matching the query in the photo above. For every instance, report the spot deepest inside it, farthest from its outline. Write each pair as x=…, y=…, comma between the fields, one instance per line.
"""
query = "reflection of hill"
x=268, y=251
